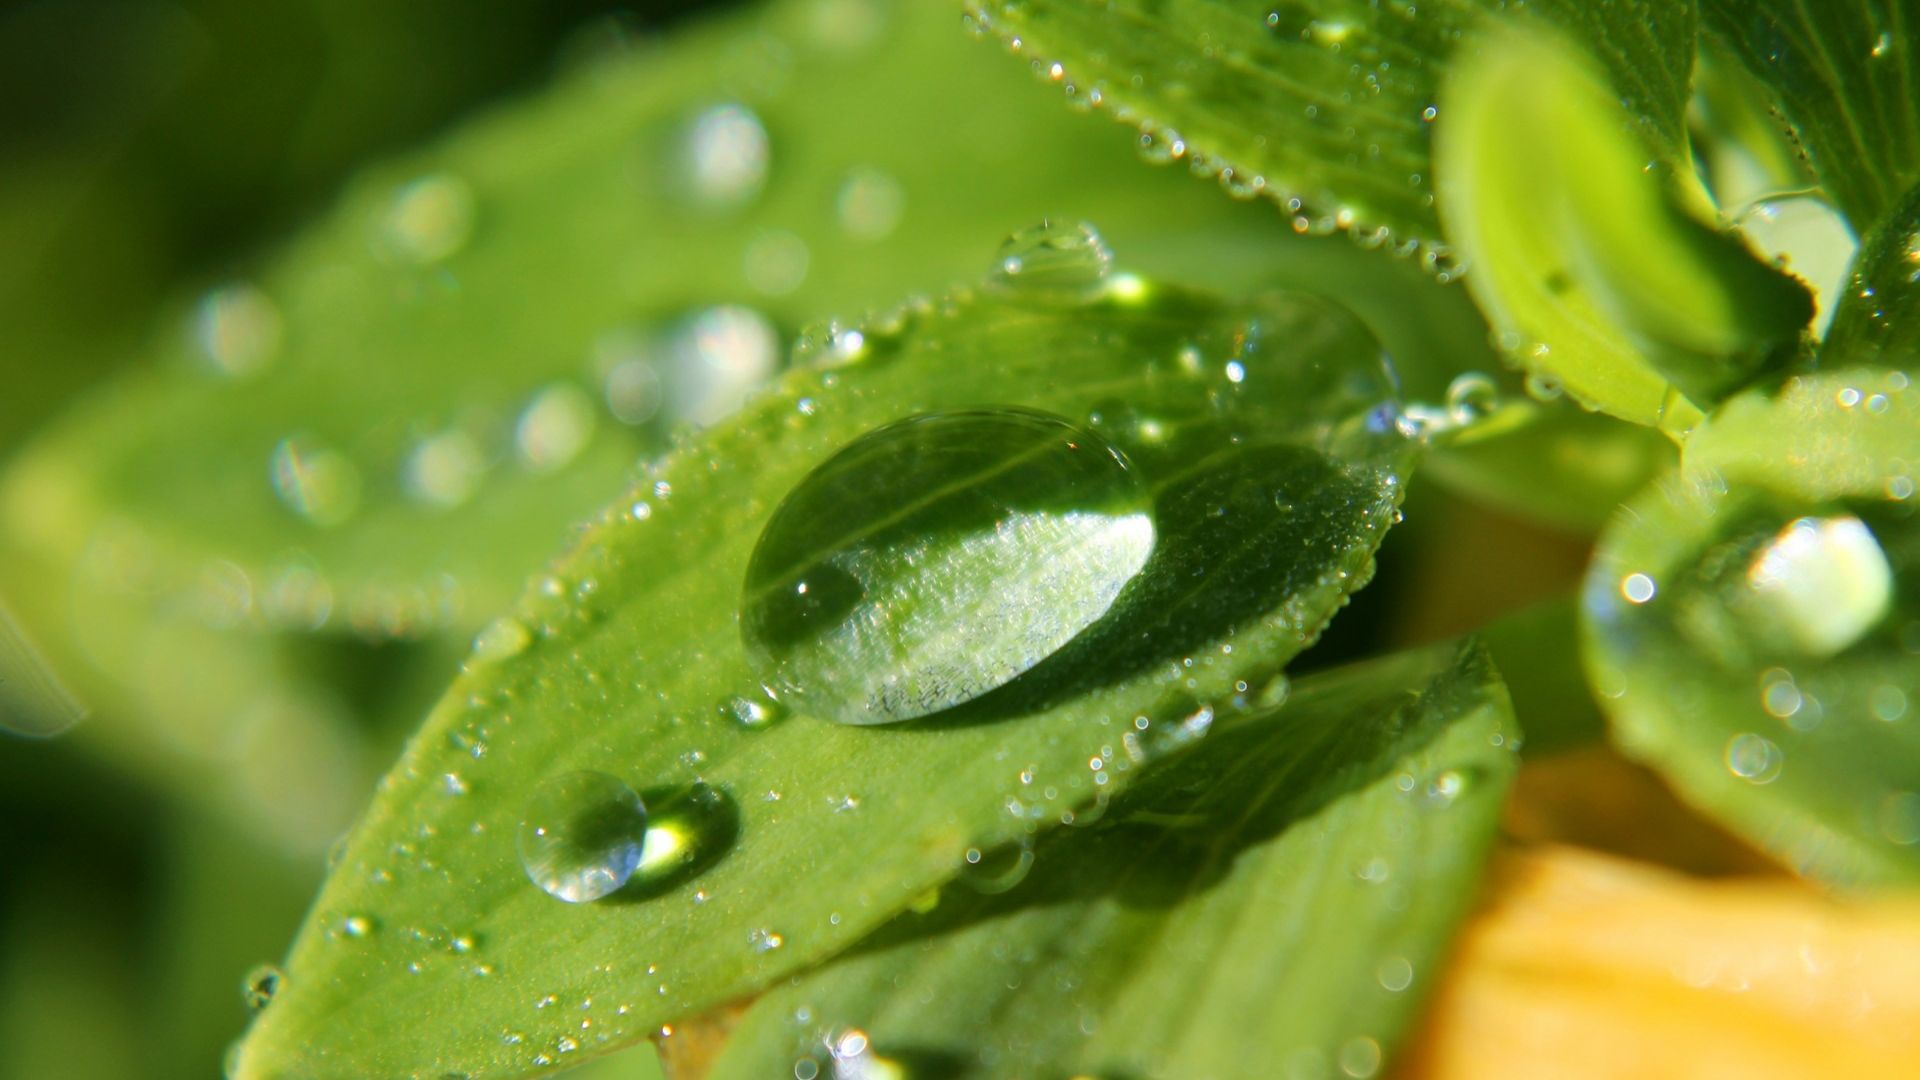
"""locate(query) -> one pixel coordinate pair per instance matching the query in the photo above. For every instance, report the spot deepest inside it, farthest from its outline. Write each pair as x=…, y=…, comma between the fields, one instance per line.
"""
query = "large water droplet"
x=1821, y=583
x=1058, y=260
x=936, y=558
x=582, y=836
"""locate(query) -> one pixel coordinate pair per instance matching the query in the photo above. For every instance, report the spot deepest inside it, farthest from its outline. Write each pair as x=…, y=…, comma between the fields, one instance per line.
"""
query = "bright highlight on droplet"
x=936, y=558
x=1823, y=582
x=1637, y=588
x=716, y=358
x=583, y=835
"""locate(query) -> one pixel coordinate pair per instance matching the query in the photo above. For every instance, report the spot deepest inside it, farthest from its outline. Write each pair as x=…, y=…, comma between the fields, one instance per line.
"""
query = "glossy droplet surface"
x=583, y=835
x=937, y=558
x=1055, y=259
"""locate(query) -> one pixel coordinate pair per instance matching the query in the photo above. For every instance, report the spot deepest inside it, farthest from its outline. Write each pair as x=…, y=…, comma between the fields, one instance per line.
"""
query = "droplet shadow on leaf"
x=1179, y=833
x=702, y=824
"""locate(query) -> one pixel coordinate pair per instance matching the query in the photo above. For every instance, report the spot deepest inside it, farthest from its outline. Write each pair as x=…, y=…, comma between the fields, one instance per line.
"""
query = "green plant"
x=1079, y=817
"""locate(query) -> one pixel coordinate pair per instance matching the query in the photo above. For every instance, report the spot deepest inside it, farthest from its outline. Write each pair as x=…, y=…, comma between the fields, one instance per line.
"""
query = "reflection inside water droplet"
x=936, y=558
x=582, y=835
x=1066, y=261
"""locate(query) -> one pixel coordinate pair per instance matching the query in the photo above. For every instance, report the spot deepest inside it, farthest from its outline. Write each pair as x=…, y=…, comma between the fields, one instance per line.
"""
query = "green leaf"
x=1282, y=894
x=431, y=346
x=1752, y=621
x=1551, y=461
x=1876, y=318
x=1843, y=72
x=1325, y=108
x=1272, y=471
x=1584, y=253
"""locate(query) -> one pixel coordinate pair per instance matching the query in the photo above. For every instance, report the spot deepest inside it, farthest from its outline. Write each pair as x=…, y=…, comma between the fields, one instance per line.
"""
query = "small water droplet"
x=726, y=155
x=429, y=219
x=555, y=426
x=1395, y=974
x=260, y=985
x=765, y=940
x=1889, y=703
x=444, y=470
x=356, y=926
x=1471, y=397
x=1754, y=758
x=1360, y=1057
x=314, y=481
x=1062, y=261
x=503, y=638
x=582, y=835
x=754, y=711
x=936, y=558
x=870, y=204
x=997, y=871
x=775, y=263
x=237, y=329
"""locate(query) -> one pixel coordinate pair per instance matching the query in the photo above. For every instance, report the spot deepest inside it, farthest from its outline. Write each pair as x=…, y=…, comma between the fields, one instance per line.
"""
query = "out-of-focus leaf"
x=1539, y=645
x=1583, y=254
x=404, y=410
x=1752, y=623
x=1293, y=883
x=1587, y=967
x=1325, y=108
x=1551, y=462
x=1844, y=74
x=1272, y=471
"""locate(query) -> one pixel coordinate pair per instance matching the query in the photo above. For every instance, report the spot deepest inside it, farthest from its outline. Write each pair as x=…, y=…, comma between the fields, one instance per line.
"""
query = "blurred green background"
x=146, y=150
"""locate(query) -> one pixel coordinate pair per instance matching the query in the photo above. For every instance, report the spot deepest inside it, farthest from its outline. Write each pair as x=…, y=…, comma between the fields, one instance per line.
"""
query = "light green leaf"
x=466, y=318
x=1752, y=623
x=1583, y=251
x=1843, y=72
x=1325, y=108
x=1272, y=471
x=1283, y=894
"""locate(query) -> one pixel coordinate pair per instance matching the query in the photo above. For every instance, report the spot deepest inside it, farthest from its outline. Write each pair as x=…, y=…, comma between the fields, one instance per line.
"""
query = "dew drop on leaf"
x=936, y=558
x=315, y=481
x=260, y=985
x=582, y=836
x=237, y=329
x=1056, y=260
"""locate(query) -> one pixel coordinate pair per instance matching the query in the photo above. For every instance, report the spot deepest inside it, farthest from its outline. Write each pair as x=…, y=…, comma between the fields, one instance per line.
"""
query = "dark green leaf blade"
x=1274, y=471
x=1751, y=623
x=1283, y=894
x=1844, y=74
x=1325, y=108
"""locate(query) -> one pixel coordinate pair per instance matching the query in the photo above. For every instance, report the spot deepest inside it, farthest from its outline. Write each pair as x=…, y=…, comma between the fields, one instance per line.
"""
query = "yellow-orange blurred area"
x=1663, y=949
